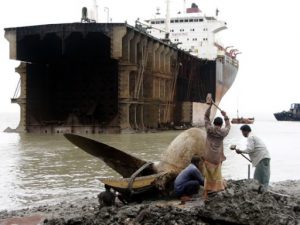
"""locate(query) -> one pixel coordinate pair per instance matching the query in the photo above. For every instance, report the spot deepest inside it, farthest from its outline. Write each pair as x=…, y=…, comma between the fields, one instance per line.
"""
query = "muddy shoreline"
x=238, y=204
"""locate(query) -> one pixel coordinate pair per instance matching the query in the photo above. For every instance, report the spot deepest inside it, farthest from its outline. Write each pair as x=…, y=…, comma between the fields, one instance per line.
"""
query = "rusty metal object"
x=28, y=220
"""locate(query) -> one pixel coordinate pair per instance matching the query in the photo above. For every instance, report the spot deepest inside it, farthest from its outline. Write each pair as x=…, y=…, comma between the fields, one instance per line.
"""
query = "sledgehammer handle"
x=210, y=101
x=245, y=157
x=216, y=105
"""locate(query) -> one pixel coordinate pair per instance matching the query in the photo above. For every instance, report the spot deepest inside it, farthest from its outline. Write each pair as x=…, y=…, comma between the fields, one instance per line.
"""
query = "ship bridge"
x=93, y=78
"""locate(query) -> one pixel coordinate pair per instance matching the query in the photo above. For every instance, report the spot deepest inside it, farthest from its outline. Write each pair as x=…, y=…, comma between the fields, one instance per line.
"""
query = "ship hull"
x=95, y=78
x=225, y=70
x=286, y=116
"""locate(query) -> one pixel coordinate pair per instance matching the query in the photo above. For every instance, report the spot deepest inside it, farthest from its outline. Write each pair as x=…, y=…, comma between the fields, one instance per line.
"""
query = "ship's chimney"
x=194, y=9
x=84, y=15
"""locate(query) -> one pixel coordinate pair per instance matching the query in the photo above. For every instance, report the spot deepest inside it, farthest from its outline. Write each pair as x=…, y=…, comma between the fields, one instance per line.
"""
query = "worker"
x=214, y=152
x=259, y=156
x=188, y=182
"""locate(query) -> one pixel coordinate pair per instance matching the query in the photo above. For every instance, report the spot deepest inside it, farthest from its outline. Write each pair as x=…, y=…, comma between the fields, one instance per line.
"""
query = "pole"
x=167, y=20
x=106, y=9
x=249, y=168
x=96, y=10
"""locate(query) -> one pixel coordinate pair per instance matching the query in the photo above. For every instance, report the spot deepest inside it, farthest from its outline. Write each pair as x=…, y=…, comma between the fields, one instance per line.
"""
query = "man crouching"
x=188, y=182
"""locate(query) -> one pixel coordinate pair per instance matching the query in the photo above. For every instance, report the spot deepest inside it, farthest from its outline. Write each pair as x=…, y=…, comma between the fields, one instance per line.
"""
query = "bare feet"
x=205, y=195
x=184, y=199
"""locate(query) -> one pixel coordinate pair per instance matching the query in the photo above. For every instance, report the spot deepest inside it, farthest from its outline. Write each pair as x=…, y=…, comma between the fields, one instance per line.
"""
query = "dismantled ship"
x=94, y=77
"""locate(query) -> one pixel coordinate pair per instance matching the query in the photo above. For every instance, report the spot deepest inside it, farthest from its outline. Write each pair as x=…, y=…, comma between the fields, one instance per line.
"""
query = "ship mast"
x=96, y=10
x=167, y=21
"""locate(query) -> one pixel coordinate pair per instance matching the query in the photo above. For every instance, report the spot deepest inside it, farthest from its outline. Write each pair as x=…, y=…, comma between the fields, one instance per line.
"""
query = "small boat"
x=241, y=120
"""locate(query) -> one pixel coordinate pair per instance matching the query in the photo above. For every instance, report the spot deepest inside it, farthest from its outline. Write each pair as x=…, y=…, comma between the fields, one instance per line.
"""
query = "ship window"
x=187, y=39
x=152, y=22
x=172, y=21
x=192, y=29
x=162, y=21
x=186, y=20
x=200, y=20
x=181, y=21
x=176, y=21
x=196, y=20
x=191, y=20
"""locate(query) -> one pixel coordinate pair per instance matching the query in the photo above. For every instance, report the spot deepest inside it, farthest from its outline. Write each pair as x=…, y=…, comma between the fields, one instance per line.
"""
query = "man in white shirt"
x=259, y=156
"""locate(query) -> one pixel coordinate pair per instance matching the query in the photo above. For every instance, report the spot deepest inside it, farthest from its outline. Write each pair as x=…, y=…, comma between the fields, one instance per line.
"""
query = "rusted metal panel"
x=27, y=220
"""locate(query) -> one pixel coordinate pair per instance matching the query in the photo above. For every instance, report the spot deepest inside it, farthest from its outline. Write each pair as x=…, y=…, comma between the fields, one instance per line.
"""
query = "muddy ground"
x=240, y=203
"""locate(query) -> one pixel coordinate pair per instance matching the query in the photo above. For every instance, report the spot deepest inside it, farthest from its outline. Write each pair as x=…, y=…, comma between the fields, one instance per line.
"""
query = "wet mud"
x=240, y=203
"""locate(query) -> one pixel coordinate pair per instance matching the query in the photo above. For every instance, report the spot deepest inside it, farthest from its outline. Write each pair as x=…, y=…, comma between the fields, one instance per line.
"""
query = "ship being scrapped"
x=112, y=77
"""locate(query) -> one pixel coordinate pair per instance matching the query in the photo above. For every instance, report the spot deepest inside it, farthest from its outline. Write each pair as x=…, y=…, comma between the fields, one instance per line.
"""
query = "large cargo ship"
x=92, y=77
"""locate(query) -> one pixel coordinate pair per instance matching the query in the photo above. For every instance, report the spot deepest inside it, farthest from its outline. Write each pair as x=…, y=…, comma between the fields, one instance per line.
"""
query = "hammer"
x=233, y=148
x=210, y=101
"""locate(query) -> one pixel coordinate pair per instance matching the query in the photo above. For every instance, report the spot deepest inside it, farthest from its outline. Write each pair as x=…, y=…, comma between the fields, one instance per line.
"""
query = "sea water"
x=45, y=169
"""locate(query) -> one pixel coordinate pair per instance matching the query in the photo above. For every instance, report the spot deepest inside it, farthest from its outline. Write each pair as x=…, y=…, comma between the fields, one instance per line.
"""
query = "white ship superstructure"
x=192, y=31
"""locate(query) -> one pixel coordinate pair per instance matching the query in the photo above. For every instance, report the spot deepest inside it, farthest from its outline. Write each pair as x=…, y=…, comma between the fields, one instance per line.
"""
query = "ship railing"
x=229, y=60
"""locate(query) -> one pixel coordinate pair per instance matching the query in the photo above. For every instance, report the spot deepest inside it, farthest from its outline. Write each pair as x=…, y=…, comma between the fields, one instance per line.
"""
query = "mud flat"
x=240, y=203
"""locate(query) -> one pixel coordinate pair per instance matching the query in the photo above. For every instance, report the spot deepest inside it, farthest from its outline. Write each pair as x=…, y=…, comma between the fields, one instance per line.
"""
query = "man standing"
x=214, y=152
x=188, y=182
x=259, y=156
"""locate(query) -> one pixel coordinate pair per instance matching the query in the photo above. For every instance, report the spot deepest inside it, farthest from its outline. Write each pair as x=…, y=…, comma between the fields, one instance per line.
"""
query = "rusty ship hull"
x=109, y=77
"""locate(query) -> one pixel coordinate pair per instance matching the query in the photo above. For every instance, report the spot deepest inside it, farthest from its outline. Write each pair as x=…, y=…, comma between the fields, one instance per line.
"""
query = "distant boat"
x=292, y=115
x=242, y=120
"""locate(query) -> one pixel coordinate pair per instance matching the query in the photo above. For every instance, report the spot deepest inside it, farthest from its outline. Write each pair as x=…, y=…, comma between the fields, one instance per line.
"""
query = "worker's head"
x=218, y=121
x=107, y=188
x=246, y=129
x=196, y=160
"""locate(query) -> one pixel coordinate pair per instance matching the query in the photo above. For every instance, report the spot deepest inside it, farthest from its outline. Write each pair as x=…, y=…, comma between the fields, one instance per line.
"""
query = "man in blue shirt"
x=189, y=180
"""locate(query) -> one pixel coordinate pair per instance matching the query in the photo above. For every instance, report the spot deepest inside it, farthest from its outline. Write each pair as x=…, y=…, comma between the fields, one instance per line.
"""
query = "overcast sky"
x=266, y=31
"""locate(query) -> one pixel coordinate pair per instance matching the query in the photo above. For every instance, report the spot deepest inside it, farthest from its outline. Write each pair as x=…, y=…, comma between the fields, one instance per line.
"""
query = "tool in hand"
x=233, y=147
x=210, y=101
